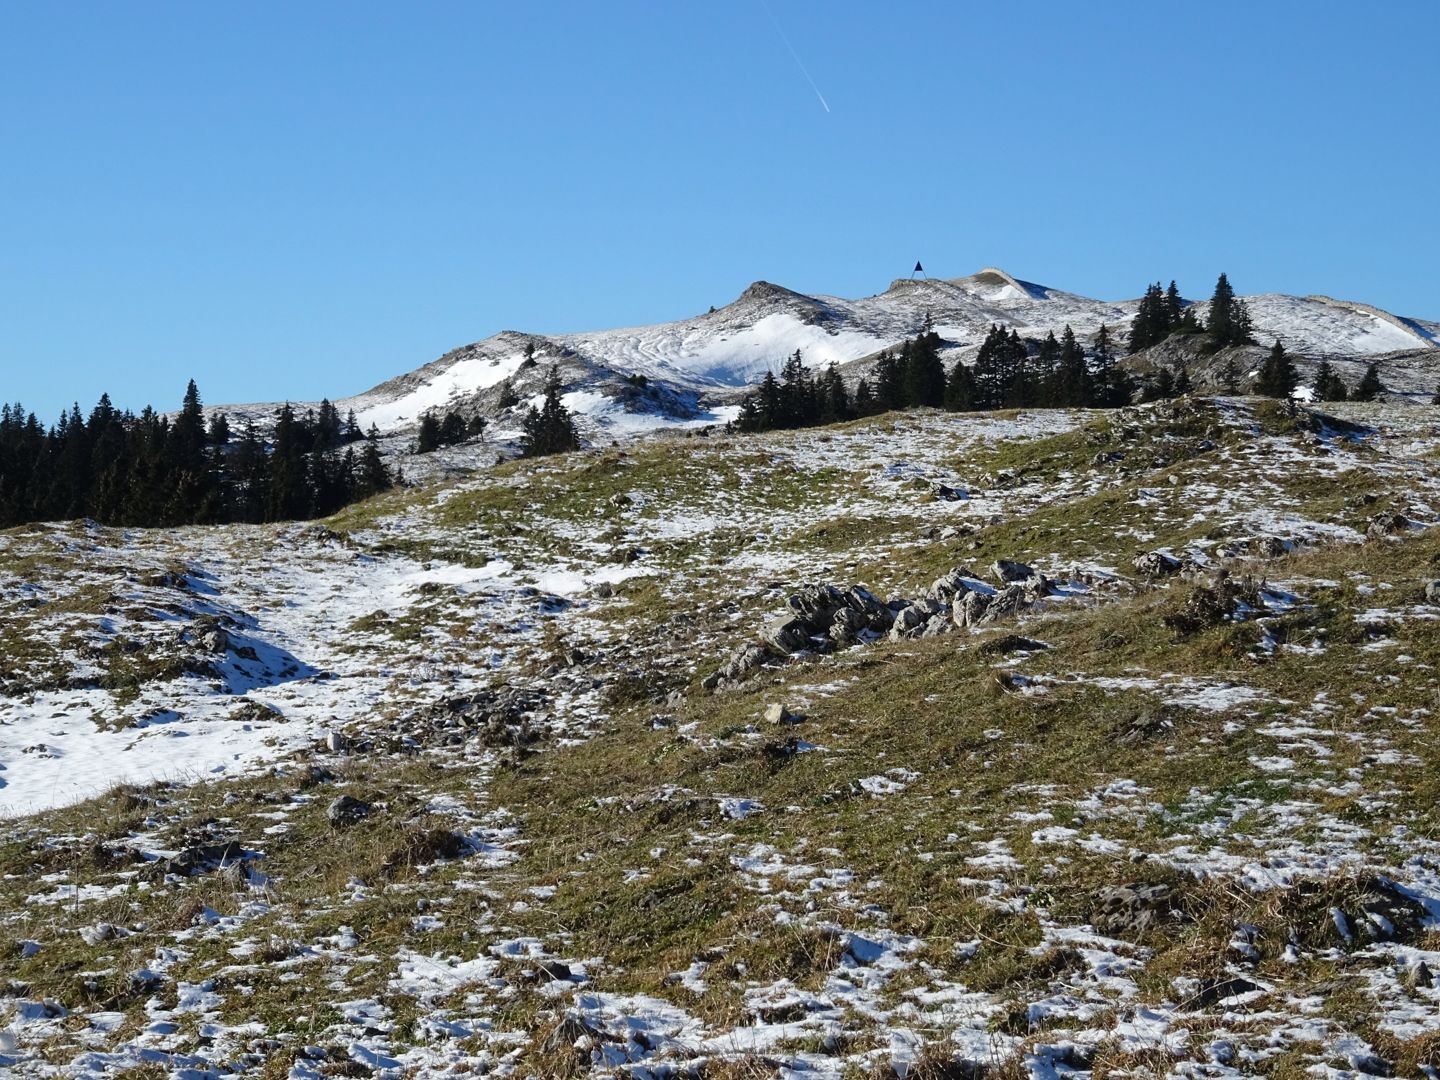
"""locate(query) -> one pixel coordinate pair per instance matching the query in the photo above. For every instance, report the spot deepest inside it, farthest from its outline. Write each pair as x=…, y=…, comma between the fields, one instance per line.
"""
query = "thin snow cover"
x=608, y=414
x=290, y=672
x=465, y=376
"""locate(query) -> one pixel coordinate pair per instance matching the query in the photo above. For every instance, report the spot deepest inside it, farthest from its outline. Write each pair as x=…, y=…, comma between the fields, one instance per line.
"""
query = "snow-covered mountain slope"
x=635, y=379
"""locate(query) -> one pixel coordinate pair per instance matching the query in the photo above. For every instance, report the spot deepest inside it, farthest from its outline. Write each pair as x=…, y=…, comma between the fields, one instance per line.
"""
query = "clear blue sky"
x=296, y=200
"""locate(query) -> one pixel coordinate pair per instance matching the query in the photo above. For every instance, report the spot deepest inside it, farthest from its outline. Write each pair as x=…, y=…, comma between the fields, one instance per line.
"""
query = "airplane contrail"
x=798, y=62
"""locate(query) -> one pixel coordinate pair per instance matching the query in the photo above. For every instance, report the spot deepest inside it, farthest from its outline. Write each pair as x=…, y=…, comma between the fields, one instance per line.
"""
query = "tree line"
x=1164, y=313
x=1007, y=373
x=151, y=470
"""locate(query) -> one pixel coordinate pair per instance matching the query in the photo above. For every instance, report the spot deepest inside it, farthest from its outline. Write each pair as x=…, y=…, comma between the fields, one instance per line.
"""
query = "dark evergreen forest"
x=152, y=470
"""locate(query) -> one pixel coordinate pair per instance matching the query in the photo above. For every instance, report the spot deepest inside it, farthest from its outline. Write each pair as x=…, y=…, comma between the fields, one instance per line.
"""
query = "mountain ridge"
x=693, y=368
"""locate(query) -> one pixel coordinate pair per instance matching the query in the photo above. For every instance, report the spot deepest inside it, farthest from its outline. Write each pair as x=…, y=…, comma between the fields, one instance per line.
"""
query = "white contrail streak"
x=798, y=62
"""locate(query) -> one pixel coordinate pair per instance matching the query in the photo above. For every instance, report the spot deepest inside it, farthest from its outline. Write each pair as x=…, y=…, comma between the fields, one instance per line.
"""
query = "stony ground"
x=437, y=787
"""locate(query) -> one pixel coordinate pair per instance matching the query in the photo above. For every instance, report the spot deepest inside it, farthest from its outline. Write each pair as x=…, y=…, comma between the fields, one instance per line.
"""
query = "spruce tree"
x=427, y=439
x=1327, y=385
x=1278, y=377
x=960, y=389
x=1230, y=376
x=551, y=428
x=887, y=389
x=1230, y=322
x=1370, y=387
x=864, y=401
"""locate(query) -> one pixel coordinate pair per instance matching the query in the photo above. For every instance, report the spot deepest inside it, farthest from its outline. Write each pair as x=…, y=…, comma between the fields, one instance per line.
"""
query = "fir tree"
x=427, y=439
x=1370, y=387
x=1328, y=386
x=1278, y=377
x=864, y=402
x=960, y=389
x=1230, y=376
x=549, y=429
x=1229, y=318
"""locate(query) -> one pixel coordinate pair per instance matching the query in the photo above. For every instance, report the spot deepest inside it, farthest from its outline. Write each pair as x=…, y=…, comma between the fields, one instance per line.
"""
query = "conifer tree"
x=427, y=439
x=888, y=392
x=1230, y=376
x=864, y=402
x=549, y=429
x=1328, y=386
x=1229, y=317
x=960, y=388
x=1278, y=377
x=1370, y=387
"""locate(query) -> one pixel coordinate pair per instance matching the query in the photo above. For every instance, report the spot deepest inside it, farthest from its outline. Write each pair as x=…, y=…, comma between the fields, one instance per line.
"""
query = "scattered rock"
x=250, y=711
x=197, y=859
x=1006, y=570
x=788, y=634
x=346, y=810
x=1131, y=911
x=1388, y=523
x=778, y=714
x=1155, y=564
x=1006, y=644
x=743, y=661
x=1214, y=991
x=1005, y=604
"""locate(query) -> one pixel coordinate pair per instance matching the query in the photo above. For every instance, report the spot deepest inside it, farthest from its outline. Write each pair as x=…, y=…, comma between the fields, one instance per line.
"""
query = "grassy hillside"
x=1181, y=825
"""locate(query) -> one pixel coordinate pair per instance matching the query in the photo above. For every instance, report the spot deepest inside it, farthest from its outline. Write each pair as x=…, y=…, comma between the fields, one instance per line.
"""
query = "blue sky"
x=296, y=200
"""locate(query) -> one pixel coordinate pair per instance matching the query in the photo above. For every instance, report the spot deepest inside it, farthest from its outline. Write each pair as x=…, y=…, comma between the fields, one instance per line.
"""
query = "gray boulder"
x=1129, y=911
x=1388, y=523
x=1008, y=570
x=742, y=662
x=1432, y=592
x=908, y=621
x=970, y=610
x=788, y=634
x=945, y=589
x=937, y=624
x=815, y=604
x=1156, y=564
x=1005, y=605
x=859, y=598
x=347, y=810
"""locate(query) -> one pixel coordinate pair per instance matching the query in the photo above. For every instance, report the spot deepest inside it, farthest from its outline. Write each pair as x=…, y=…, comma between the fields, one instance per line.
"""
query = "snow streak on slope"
x=733, y=347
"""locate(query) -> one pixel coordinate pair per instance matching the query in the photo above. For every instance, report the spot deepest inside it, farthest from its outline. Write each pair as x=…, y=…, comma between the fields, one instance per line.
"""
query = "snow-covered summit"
x=638, y=377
